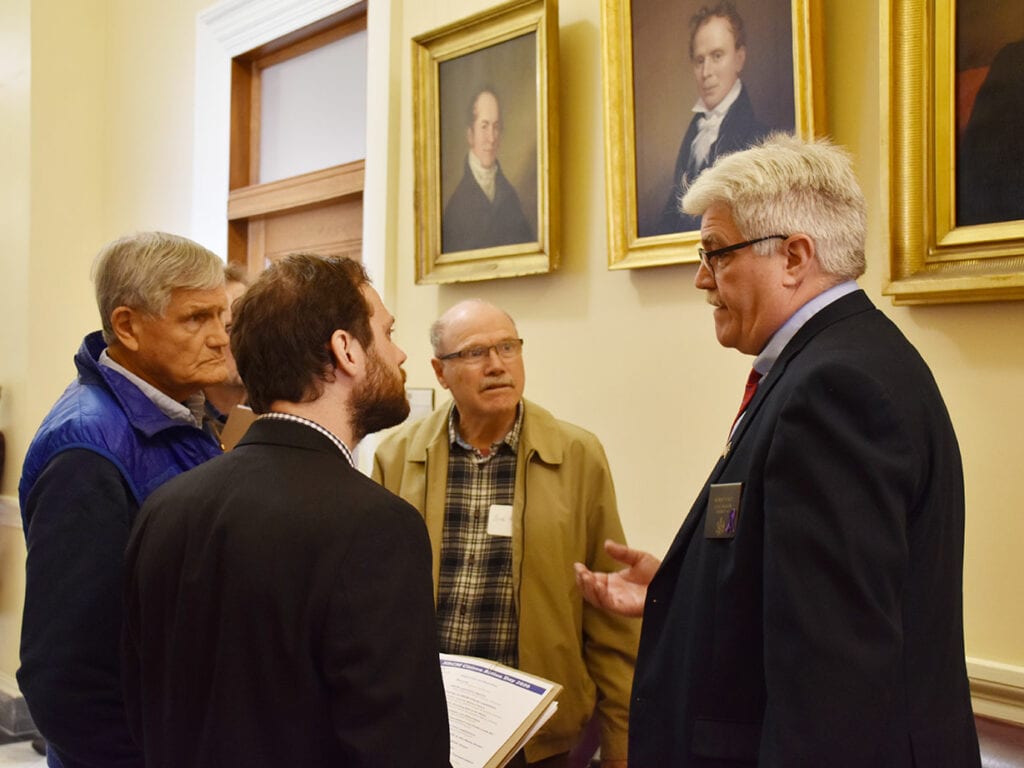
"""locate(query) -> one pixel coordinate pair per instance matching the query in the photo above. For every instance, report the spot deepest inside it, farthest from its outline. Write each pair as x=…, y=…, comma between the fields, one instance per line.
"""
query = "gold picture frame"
x=646, y=106
x=511, y=53
x=932, y=259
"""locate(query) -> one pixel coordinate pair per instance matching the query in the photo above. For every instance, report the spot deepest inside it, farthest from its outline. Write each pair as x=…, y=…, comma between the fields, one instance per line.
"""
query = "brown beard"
x=381, y=401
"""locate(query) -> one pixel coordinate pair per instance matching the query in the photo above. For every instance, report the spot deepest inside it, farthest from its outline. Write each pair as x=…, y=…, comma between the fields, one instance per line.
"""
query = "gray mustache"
x=495, y=381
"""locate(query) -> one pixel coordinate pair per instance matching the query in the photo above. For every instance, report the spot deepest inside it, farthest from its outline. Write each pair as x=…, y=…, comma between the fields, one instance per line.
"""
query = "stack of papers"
x=492, y=709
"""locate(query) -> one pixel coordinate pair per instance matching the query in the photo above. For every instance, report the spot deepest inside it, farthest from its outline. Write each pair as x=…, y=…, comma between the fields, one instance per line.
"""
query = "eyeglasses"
x=707, y=256
x=509, y=349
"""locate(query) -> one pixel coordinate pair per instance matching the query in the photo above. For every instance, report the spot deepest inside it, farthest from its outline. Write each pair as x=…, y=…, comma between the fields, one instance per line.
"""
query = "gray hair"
x=141, y=271
x=236, y=273
x=786, y=185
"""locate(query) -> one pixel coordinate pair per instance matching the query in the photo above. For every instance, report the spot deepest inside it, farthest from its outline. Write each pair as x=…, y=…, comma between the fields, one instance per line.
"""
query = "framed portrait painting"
x=687, y=81
x=956, y=165
x=485, y=128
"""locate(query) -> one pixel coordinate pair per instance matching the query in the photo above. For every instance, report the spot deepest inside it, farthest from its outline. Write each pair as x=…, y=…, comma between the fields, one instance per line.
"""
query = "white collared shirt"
x=709, y=125
x=190, y=412
x=484, y=176
x=763, y=362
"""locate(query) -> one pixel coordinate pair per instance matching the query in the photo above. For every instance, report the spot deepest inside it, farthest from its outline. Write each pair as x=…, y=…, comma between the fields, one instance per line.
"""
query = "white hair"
x=786, y=185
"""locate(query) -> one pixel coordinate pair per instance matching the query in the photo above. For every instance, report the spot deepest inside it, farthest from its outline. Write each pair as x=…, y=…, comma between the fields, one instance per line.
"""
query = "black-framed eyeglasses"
x=707, y=256
x=509, y=349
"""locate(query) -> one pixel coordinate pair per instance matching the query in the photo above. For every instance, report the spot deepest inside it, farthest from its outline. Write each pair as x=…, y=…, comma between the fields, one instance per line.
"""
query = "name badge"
x=723, y=515
x=499, y=520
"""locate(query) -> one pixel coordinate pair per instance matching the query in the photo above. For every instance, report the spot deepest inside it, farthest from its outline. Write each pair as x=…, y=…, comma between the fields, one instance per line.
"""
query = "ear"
x=741, y=58
x=438, y=366
x=125, y=322
x=349, y=355
x=801, y=259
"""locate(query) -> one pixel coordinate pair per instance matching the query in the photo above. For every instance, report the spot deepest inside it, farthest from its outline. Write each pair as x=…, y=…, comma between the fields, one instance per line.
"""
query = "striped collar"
x=277, y=416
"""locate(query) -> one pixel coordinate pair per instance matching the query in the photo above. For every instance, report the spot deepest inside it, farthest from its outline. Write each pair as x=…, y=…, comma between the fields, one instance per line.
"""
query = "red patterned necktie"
x=748, y=394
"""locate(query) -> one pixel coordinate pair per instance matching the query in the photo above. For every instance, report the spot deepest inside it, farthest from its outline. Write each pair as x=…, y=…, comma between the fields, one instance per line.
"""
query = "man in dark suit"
x=484, y=210
x=278, y=604
x=723, y=119
x=809, y=611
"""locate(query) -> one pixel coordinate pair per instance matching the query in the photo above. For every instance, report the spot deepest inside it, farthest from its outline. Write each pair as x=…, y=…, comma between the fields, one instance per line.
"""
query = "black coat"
x=739, y=130
x=279, y=611
x=829, y=630
x=472, y=221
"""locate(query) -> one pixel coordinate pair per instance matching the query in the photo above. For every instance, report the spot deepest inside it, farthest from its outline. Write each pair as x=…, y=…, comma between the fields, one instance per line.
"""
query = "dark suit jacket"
x=279, y=611
x=739, y=129
x=472, y=221
x=829, y=630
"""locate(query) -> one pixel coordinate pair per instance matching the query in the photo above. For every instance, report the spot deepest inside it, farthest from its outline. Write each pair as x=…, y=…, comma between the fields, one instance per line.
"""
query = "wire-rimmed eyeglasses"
x=707, y=256
x=509, y=349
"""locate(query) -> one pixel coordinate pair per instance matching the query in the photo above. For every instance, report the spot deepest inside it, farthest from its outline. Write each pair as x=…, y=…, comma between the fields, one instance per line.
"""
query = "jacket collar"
x=539, y=434
x=291, y=434
x=846, y=306
x=142, y=413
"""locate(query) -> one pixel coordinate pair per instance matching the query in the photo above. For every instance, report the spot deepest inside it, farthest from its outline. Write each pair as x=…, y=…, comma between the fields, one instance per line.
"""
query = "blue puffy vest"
x=104, y=412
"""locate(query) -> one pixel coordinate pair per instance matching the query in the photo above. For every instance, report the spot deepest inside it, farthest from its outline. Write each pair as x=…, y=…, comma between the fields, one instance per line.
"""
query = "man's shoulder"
x=740, y=127
x=467, y=192
x=556, y=439
x=84, y=416
x=417, y=433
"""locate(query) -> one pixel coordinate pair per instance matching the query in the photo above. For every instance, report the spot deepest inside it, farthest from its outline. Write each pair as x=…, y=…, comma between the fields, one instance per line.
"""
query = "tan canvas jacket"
x=564, y=509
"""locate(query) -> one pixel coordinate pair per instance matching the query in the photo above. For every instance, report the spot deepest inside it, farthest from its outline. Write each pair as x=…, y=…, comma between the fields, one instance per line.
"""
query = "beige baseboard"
x=997, y=689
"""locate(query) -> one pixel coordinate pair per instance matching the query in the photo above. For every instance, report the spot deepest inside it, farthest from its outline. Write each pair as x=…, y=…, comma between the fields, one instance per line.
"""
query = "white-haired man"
x=809, y=611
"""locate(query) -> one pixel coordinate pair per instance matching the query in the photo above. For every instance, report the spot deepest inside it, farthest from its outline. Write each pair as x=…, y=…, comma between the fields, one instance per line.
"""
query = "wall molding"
x=997, y=689
x=241, y=25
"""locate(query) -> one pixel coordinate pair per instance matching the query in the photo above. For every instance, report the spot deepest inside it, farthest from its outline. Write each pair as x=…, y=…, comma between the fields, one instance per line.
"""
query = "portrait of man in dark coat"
x=723, y=116
x=484, y=211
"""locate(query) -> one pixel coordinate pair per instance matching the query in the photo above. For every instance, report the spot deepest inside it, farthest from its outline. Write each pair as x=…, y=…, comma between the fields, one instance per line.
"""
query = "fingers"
x=587, y=582
x=622, y=553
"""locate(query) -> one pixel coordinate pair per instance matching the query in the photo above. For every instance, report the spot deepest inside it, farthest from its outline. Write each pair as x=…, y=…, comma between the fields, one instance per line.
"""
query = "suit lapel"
x=844, y=307
x=840, y=309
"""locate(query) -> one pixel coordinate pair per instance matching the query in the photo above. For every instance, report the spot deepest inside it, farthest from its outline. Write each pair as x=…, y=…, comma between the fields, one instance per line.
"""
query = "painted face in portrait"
x=717, y=62
x=484, y=135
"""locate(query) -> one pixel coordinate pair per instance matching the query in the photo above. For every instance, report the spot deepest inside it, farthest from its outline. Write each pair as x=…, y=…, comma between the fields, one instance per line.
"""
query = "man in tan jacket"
x=512, y=496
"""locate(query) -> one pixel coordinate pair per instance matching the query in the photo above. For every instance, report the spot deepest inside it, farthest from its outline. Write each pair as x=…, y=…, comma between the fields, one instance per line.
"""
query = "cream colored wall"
x=96, y=115
x=15, y=101
x=630, y=354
